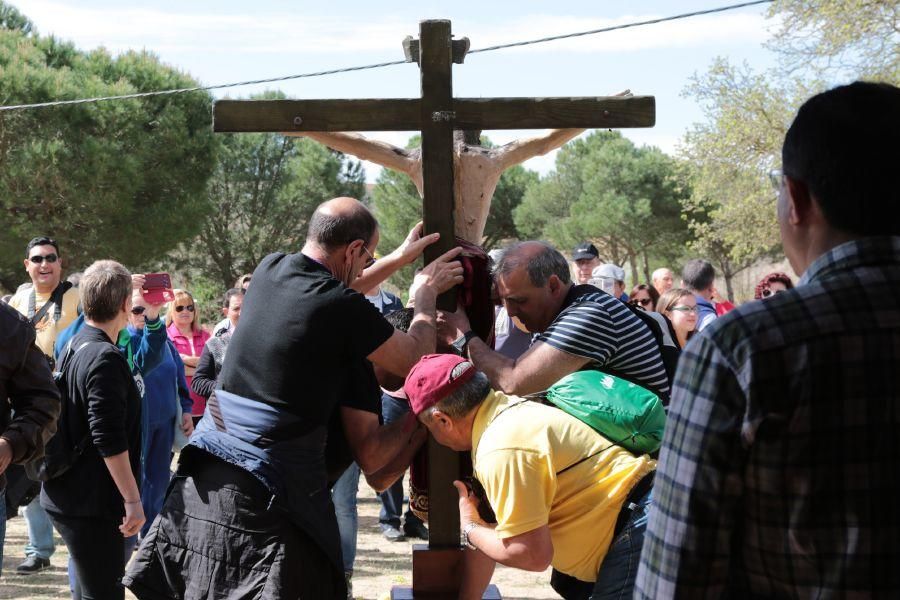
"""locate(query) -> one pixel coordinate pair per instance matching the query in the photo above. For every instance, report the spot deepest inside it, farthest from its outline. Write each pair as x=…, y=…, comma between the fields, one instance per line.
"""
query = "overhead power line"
x=205, y=88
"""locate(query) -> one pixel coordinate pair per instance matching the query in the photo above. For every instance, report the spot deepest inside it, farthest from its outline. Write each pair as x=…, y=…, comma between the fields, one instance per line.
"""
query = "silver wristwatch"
x=465, y=534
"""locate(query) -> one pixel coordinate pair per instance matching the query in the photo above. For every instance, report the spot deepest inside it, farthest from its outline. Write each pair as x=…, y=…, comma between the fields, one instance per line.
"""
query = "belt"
x=639, y=490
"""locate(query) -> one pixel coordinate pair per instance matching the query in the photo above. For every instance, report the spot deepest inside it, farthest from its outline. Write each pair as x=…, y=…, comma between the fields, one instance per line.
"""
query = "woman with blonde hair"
x=680, y=307
x=183, y=327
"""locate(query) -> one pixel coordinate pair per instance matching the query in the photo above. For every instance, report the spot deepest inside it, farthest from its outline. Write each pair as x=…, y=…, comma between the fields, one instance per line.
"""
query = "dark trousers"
x=97, y=551
x=615, y=580
x=392, y=498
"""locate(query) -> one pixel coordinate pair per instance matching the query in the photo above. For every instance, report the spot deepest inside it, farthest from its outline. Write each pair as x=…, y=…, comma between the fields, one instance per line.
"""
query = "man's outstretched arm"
x=376, y=151
x=519, y=151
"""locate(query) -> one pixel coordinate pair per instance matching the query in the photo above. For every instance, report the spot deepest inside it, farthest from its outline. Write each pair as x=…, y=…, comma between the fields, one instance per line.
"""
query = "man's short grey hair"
x=104, y=288
x=549, y=261
x=464, y=398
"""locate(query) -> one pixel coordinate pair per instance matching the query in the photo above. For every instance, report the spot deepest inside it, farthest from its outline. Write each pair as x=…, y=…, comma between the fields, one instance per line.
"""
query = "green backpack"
x=623, y=412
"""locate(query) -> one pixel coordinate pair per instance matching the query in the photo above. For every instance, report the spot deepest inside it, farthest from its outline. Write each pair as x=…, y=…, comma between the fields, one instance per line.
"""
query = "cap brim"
x=582, y=256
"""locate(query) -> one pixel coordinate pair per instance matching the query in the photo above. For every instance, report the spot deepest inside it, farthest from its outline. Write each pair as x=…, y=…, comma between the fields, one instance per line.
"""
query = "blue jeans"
x=392, y=410
x=615, y=579
x=343, y=495
x=40, y=530
x=156, y=475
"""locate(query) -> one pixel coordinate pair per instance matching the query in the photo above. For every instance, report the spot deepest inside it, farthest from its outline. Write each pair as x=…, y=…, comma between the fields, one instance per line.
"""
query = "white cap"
x=609, y=271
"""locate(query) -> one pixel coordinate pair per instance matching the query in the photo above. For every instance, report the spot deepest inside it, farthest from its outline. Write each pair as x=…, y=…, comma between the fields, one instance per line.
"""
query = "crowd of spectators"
x=780, y=420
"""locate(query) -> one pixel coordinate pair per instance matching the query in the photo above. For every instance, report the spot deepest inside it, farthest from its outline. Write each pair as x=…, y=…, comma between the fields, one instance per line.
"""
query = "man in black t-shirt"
x=304, y=350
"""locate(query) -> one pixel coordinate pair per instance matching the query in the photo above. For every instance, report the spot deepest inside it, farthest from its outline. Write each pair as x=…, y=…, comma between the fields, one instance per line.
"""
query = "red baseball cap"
x=434, y=378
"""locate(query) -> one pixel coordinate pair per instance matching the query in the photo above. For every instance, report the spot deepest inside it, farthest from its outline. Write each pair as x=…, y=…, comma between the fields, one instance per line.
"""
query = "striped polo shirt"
x=596, y=326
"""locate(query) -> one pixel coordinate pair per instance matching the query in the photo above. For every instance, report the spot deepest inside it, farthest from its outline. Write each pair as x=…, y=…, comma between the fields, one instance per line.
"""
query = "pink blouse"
x=190, y=346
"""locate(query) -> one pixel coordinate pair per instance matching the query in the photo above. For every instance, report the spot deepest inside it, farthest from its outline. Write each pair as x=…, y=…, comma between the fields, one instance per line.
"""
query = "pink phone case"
x=158, y=288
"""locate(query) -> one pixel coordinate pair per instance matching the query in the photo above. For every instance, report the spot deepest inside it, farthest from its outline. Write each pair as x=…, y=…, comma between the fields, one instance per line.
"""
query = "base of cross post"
x=437, y=573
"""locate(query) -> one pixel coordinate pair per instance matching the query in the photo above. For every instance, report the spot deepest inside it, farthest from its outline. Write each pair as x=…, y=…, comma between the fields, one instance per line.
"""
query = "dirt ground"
x=379, y=565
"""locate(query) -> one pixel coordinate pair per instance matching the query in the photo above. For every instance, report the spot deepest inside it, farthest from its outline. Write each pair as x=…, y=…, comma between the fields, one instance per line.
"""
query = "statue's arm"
x=376, y=151
x=519, y=151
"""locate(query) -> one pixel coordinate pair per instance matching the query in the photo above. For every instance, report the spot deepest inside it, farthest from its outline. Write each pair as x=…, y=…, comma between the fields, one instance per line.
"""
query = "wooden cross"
x=436, y=114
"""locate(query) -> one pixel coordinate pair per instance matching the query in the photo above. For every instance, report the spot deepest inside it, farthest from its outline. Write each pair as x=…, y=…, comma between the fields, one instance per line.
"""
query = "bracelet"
x=133, y=502
x=465, y=534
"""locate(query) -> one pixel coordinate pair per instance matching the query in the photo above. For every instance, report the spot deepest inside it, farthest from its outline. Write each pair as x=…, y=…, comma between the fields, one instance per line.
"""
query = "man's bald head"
x=338, y=222
x=540, y=259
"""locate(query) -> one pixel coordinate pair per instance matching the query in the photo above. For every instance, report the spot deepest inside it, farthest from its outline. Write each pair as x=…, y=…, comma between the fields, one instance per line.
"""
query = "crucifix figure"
x=446, y=173
x=476, y=168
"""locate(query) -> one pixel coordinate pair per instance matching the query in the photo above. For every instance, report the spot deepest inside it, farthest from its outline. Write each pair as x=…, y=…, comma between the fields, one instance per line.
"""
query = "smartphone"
x=158, y=288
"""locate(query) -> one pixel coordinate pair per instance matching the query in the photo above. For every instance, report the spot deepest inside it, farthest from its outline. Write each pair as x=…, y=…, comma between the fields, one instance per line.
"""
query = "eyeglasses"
x=685, y=309
x=189, y=308
x=38, y=258
x=371, y=260
x=776, y=178
x=767, y=292
x=643, y=301
x=138, y=310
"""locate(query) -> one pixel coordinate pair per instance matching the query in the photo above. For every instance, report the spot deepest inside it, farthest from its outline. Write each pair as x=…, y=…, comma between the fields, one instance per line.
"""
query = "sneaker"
x=33, y=564
x=348, y=576
x=415, y=529
x=392, y=534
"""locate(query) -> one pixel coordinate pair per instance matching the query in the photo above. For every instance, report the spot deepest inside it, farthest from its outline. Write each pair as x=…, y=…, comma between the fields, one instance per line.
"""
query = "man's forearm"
x=381, y=444
x=484, y=537
x=385, y=477
x=500, y=370
x=423, y=328
x=379, y=272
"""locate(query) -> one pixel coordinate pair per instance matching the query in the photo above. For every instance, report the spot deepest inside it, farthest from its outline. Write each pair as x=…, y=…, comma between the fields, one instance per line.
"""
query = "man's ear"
x=554, y=284
x=441, y=419
x=799, y=201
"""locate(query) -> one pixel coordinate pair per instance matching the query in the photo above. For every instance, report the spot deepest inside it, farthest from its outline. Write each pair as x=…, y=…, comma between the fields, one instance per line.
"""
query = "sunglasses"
x=38, y=259
x=642, y=301
x=189, y=308
x=371, y=260
x=767, y=292
x=684, y=309
x=138, y=310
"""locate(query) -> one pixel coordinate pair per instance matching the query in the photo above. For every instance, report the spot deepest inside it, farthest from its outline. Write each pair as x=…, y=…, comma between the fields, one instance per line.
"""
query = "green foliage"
x=627, y=200
x=122, y=179
x=819, y=42
x=854, y=37
x=398, y=206
x=264, y=189
x=11, y=18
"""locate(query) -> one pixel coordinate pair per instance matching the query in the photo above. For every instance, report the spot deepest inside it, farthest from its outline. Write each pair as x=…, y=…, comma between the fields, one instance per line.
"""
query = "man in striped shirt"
x=576, y=327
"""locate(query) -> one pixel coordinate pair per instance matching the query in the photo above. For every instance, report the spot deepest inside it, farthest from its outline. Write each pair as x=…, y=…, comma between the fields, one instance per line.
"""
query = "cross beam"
x=436, y=114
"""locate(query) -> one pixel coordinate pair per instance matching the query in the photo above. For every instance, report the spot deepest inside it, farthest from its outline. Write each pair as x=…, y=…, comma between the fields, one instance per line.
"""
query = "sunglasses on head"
x=642, y=301
x=188, y=307
x=138, y=310
x=39, y=258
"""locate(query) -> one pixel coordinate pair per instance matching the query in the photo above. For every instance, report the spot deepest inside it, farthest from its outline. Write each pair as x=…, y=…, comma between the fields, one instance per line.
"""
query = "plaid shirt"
x=780, y=469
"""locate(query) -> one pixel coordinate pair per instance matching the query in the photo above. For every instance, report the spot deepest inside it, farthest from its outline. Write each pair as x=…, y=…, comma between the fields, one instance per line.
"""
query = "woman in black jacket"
x=96, y=504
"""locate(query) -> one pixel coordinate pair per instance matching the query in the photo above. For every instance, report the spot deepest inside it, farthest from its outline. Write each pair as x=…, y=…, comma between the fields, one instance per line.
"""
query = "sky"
x=226, y=41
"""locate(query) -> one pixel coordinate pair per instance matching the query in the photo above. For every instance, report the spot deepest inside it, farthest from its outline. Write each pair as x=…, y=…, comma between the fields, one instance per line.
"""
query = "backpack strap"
x=54, y=300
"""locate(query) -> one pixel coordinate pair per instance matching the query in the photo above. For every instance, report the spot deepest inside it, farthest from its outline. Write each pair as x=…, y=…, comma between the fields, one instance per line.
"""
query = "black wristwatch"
x=462, y=342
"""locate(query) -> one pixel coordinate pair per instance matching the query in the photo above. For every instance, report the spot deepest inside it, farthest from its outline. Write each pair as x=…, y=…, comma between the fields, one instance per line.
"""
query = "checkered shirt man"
x=780, y=470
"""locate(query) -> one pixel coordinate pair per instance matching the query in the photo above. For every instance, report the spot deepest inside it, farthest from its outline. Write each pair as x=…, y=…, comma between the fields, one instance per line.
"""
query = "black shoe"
x=415, y=529
x=33, y=564
x=392, y=534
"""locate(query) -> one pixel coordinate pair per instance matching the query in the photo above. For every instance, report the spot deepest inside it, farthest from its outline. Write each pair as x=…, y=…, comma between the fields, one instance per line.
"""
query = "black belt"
x=639, y=490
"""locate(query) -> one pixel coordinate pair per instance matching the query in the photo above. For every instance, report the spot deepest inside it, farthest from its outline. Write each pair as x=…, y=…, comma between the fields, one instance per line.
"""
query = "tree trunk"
x=646, y=262
x=632, y=262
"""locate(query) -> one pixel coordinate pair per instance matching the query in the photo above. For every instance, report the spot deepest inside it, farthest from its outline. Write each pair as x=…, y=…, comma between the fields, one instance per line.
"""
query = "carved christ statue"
x=476, y=169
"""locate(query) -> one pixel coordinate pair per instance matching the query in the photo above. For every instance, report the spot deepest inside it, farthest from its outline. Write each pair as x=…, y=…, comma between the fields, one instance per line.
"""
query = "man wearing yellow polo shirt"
x=563, y=495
